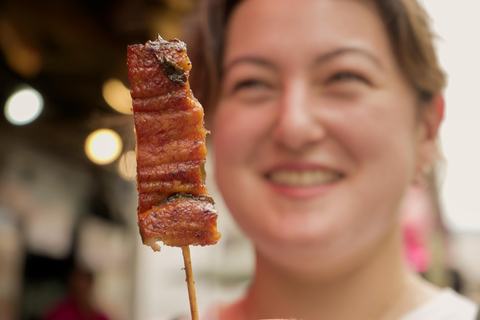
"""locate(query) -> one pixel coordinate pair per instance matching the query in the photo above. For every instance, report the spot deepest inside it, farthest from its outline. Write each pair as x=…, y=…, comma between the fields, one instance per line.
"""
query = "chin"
x=323, y=253
x=304, y=260
x=293, y=240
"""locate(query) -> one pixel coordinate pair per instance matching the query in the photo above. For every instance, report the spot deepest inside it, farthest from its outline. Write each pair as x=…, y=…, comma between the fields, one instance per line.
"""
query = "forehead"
x=307, y=27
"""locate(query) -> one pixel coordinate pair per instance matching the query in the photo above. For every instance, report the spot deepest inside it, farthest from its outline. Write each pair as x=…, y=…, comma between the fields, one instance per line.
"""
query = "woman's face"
x=317, y=132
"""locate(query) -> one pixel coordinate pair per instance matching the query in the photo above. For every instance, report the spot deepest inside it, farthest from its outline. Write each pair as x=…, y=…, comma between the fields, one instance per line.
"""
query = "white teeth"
x=303, y=178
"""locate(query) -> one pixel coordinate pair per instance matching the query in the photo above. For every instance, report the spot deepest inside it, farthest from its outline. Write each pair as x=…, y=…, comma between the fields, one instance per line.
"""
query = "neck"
x=370, y=290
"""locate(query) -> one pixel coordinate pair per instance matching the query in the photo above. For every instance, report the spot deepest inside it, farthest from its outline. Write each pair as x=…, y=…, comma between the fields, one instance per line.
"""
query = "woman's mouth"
x=303, y=178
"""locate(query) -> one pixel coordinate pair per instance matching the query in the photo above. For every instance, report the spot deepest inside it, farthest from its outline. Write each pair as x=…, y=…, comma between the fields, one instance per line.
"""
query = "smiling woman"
x=324, y=116
x=303, y=123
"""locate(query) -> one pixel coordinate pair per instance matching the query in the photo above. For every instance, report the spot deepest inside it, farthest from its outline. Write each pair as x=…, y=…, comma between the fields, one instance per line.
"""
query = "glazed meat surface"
x=180, y=220
x=173, y=204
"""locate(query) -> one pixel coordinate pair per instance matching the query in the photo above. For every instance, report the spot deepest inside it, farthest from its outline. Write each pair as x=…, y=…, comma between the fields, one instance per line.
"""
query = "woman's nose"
x=298, y=125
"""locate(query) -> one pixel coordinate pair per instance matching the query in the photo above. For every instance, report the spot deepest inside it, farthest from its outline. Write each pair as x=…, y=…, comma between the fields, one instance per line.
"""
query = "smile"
x=303, y=178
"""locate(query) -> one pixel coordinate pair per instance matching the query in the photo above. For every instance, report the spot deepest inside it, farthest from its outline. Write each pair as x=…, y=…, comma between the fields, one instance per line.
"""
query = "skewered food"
x=174, y=206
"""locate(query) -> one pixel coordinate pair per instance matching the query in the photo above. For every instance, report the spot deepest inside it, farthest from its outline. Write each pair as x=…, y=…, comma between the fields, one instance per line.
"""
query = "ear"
x=430, y=120
x=432, y=116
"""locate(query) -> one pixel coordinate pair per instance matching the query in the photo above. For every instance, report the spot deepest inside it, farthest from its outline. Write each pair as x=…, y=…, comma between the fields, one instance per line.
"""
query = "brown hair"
x=406, y=23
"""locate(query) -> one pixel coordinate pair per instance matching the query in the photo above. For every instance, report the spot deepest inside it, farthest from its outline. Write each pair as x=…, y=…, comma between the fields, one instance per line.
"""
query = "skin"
x=316, y=88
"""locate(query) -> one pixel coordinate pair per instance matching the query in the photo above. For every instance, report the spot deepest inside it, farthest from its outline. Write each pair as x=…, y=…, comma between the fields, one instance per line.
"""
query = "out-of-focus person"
x=78, y=303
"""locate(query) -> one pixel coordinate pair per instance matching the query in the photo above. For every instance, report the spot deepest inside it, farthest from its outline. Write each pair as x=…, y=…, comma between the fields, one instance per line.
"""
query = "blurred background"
x=67, y=168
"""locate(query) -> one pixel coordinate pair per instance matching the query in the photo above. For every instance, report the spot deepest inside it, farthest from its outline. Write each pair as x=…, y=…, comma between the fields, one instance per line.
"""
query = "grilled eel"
x=173, y=205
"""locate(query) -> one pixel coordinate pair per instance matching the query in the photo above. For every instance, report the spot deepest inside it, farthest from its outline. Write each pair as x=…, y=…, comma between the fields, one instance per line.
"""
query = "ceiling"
x=67, y=49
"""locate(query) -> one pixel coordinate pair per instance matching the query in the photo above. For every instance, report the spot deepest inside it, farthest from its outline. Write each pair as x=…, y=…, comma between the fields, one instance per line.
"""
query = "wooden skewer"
x=190, y=282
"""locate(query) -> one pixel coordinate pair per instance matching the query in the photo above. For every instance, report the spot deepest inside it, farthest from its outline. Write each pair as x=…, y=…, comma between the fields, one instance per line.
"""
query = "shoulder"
x=446, y=305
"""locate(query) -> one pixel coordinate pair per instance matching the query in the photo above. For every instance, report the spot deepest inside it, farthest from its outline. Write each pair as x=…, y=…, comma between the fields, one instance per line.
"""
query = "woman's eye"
x=249, y=84
x=252, y=91
x=345, y=85
x=347, y=76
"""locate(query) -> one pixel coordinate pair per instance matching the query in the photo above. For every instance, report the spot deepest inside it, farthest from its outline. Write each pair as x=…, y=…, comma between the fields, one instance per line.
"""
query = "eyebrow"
x=334, y=54
x=249, y=59
x=324, y=58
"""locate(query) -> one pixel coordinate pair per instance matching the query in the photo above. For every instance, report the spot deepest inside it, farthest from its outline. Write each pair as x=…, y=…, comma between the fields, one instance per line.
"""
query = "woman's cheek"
x=227, y=135
x=238, y=131
x=233, y=136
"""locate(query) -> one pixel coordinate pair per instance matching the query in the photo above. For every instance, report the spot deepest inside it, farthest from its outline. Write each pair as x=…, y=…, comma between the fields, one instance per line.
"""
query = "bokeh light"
x=117, y=96
x=23, y=106
x=103, y=146
x=127, y=165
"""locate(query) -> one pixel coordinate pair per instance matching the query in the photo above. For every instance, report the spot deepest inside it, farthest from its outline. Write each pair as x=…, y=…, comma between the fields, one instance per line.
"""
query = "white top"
x=447, y=305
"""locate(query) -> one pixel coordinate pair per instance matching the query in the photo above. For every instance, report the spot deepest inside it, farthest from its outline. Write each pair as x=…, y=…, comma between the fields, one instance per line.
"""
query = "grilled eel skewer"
x=174, y=206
